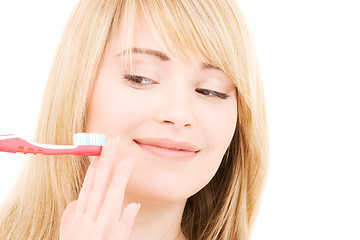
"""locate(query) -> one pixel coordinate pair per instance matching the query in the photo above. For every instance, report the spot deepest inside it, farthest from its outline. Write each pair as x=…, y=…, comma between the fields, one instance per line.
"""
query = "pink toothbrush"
x=85, y=144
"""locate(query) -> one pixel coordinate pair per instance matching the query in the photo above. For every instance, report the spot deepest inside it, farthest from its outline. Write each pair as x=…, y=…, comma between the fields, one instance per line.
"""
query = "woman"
x=175, y=87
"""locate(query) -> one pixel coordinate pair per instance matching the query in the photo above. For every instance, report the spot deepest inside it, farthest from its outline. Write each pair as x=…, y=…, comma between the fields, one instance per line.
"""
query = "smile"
x=166, y=148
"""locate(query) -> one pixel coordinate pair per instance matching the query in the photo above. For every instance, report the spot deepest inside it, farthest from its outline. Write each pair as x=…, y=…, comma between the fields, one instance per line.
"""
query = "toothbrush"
x=85, y=144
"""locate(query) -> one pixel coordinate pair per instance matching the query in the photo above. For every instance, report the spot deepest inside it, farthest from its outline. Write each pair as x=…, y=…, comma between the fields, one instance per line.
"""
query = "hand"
x=98, y=213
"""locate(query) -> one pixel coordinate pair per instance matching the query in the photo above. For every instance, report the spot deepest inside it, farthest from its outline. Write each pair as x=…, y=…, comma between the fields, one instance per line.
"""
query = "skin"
x=159, y=97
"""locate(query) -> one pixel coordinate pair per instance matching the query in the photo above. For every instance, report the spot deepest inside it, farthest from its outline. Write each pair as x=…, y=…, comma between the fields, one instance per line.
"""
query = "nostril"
x=168, y=121
x=175, y=118
x=173, y=123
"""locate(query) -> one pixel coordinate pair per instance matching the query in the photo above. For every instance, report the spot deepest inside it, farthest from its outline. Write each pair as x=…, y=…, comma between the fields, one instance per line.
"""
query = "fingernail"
x=94, y=161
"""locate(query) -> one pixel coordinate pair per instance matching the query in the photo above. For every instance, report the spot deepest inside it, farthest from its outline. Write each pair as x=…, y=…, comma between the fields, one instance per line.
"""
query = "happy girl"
x=175, y=87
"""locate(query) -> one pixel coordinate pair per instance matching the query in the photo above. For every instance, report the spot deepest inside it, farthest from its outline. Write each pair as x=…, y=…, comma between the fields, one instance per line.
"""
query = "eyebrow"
x=210, y=66
x=162, y=56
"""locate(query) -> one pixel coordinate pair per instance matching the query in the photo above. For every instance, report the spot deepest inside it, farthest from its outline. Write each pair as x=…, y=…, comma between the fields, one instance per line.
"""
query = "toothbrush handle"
x=9, y=144
x=81, y=150
x=13, y=144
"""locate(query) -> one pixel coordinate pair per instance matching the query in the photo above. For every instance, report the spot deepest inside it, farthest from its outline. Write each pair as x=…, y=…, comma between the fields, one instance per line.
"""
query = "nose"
x=176, y=110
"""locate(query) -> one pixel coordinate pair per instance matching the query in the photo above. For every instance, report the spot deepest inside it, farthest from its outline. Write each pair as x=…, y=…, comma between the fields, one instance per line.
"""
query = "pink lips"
x=167, y=148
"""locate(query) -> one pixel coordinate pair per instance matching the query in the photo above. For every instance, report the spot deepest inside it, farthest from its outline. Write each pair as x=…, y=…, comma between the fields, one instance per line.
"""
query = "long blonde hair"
x=215, y=29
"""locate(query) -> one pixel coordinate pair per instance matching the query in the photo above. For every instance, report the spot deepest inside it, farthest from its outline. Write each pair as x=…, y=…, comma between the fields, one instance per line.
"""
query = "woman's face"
x=175, y=118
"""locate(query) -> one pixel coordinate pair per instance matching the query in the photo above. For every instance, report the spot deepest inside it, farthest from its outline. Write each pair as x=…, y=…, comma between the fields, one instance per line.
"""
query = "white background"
x=310, y=57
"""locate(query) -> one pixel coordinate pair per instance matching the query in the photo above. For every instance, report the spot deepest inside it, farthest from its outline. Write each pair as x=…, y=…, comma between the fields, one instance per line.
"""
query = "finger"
x=86, y=187
x=127, y=220
x=67, y=217
x=112, y=206
x=102, y=178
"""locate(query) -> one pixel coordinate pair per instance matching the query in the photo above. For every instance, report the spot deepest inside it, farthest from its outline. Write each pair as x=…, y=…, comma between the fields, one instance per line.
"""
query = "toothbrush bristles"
x=89, y=139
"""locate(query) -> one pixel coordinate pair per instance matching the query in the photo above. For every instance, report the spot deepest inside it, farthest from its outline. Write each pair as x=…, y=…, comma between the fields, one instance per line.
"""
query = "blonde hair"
x=215, y=29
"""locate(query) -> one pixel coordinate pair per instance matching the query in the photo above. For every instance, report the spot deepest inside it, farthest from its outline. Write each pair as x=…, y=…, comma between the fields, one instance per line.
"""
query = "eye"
x=211, y=93
x=138, y=81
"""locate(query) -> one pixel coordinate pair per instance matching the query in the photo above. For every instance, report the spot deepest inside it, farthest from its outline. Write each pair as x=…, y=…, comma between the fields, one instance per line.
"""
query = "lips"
x=168, y=148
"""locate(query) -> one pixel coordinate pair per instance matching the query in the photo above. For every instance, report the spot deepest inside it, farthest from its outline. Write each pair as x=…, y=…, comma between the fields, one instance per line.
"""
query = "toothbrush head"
x=88, y=139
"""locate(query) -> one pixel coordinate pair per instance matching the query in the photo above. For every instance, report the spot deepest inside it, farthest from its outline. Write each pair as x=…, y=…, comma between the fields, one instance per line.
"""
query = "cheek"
x=113, y=110
x=219, y=126
x=104, y=111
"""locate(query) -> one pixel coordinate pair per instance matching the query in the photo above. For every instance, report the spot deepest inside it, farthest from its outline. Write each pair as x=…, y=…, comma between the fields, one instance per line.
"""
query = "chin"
x=158, y=190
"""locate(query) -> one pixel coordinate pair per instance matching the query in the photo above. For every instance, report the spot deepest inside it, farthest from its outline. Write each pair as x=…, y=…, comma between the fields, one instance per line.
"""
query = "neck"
x=159, y=222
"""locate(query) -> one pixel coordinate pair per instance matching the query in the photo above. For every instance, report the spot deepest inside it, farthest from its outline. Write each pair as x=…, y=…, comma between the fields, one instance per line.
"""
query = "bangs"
x=190, y=30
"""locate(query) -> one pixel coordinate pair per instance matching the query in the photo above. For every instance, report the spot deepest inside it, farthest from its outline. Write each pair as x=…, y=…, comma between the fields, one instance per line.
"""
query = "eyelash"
x=211, y=93
x=135, y=81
